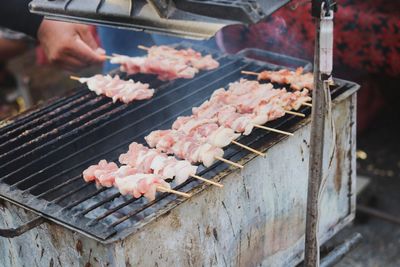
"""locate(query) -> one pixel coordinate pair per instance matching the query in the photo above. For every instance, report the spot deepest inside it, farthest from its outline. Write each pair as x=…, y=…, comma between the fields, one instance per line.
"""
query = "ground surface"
x=381, y=239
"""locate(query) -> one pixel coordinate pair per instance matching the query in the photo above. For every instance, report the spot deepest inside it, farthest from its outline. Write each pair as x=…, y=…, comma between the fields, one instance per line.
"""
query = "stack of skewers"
x=200, y=137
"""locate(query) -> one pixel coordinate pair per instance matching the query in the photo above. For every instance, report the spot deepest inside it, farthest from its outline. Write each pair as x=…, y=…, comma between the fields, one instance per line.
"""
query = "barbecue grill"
x=257, y=219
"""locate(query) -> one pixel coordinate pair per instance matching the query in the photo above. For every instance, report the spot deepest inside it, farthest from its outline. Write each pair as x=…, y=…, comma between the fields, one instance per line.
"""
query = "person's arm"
x=15, y=15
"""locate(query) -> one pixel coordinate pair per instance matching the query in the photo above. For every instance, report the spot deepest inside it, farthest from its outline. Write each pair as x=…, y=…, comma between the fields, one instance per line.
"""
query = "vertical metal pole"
x=311, y=258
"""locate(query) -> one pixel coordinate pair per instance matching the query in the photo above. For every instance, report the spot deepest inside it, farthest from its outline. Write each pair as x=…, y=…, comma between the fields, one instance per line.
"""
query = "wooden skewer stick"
x=108, y=57
x=167, y=190
x=248, y=148
x=206, y=180
x=250, y=72
x=307, y=104
x=295, y=113
x=229, y=162
x=272, y=129
x=76, y=78
x=143, y=47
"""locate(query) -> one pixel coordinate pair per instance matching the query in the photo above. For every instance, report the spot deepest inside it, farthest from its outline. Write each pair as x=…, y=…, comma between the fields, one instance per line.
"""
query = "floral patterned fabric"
x=366, y=45
x=367, y=34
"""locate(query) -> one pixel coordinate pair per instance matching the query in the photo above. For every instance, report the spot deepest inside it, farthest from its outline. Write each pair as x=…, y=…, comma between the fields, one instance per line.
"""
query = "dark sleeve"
x=15, y=15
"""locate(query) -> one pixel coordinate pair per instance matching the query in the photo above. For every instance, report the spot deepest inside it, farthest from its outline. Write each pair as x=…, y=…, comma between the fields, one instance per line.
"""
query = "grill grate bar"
x=111, y=211
x=81, y=200
x=43, y=119
x=26, y=147
x=70, y=193
x=99, y=204
x=51, y=190
x=58, y=125
x=53, y=142
x=137, y=211
x=33, y=114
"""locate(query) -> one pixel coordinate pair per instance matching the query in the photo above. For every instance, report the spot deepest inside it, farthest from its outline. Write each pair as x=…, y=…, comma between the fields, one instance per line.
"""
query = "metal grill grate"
x=43, y=153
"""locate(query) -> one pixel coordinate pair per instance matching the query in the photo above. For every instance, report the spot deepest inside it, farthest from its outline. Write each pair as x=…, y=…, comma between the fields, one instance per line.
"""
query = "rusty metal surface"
x=258, y=218
x=20, y=230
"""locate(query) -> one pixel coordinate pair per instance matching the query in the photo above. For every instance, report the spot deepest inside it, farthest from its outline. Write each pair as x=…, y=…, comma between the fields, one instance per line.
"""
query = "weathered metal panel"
x=258, y=218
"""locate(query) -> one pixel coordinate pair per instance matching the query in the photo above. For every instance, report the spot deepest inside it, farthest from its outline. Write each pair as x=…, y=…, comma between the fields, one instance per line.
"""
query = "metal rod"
x=14, y=232
x=85, y=198
x=29, y=116
x=53, y=189
x=111, y=211
x=311, y=257
x=378, y=214
x=69, y=193
x=95, y=206
x=49, y=115
x=134, y=212
x=341, y=250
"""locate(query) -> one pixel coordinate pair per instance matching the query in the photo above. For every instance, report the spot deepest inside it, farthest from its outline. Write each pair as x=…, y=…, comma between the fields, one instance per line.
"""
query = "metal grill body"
x=257, y=218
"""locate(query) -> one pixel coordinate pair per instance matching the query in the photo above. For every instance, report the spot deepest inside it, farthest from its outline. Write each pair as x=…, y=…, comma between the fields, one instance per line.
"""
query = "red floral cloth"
x=367, y=35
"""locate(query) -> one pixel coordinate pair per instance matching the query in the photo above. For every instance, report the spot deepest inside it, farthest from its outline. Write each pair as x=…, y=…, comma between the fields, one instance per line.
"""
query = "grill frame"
x=218, y=171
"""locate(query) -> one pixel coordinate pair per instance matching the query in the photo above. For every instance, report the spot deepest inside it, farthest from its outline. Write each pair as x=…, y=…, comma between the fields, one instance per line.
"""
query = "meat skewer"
x=246, y=95
x=117, y=89
x=191, y=57
x=186, y=147
x=297, y=79
x=166, y=62
x=210, y=132
x=148, y=160
x=254, y=102
x=251, y=97
x=127, y=180
x=229, y=117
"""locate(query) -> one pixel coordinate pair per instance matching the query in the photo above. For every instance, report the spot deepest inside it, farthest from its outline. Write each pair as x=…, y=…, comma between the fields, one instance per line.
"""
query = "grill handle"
x=275, y=59
x=14, y=232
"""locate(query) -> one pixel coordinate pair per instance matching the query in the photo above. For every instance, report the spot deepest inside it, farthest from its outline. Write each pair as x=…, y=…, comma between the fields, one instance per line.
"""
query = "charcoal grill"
x=44, y=152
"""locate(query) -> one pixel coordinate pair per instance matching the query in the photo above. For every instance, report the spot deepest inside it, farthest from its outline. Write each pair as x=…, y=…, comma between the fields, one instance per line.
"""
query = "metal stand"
x=322, y=71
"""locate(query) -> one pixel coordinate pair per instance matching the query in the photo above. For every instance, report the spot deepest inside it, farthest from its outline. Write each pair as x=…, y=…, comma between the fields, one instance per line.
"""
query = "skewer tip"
x=230, y=162
x=76, y=78
x=249, y=73
x=272, y=130
x=295, y=113
x=207, y=181
x=172, y=191
x=143, y=47
x=249, y=148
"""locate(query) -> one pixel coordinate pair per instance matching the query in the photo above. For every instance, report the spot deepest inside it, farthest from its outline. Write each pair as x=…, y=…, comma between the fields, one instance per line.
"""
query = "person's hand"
x=68, y=45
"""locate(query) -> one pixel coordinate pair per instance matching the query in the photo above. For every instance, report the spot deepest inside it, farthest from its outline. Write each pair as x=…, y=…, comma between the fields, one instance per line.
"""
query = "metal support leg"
x=322, y=72
x=311, y=258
